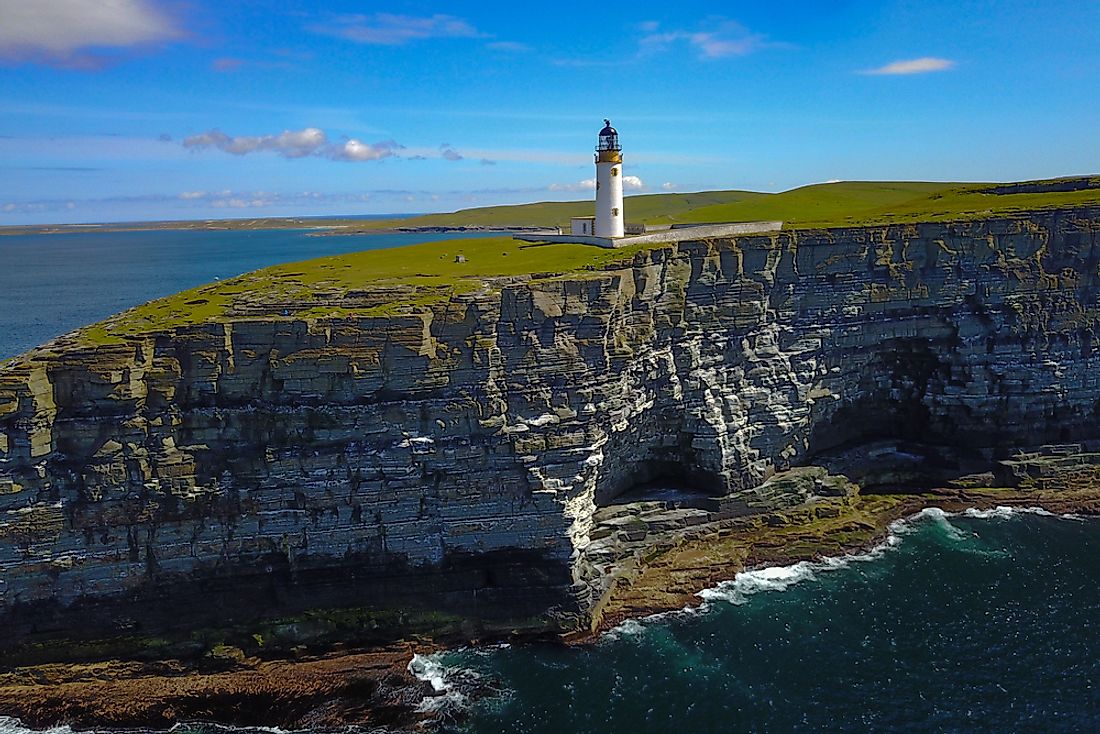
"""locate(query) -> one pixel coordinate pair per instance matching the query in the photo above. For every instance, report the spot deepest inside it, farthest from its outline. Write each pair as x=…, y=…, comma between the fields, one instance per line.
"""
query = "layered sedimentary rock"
x=455, y=459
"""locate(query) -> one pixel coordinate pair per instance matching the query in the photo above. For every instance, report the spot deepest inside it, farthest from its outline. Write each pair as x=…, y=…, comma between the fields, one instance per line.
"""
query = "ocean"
x=980, y=622
x=54, y=283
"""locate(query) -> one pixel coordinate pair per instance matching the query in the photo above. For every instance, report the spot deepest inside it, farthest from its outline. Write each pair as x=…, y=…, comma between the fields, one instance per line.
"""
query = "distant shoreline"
x=355, y=227
x=195, y=225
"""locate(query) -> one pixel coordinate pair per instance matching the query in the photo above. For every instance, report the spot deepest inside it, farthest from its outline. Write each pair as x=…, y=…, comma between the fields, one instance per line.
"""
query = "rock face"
x=455, y=459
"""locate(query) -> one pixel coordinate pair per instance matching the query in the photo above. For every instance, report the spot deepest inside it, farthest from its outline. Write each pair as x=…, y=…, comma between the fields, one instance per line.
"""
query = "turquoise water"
x=967, y=624
x=52, y=284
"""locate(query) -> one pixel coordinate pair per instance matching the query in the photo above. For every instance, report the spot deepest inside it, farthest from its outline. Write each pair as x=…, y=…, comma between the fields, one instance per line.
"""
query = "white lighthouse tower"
x=609, y=183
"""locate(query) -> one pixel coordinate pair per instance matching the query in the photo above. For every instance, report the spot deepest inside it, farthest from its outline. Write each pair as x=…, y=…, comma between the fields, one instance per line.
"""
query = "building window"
x=614, y=171
x=614, y=211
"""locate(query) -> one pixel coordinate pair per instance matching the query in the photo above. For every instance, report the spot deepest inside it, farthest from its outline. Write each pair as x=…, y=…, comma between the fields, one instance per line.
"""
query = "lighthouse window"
x=614, y=211
x=614, y=171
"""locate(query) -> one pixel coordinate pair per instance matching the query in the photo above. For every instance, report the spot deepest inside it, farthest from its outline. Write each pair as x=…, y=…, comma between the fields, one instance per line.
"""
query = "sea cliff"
x=463, y=462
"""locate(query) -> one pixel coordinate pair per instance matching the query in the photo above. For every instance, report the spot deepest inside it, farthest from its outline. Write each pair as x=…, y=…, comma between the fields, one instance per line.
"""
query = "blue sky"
x=139, y=109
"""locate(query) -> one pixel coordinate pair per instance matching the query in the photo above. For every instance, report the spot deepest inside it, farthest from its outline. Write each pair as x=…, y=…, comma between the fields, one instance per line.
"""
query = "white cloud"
x=922, y=65
x=62, y=31
x=388, y=29
x=668, y=186
x=355, y=150
x=310, y=141
x=288, y=143
x=721, y=39
x=588, y=184
x=187, y=195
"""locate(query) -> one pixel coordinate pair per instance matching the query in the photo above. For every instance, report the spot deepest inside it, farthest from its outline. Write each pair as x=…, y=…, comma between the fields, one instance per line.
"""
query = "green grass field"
x=413, y=277
x=820, y=205
x=403, y=280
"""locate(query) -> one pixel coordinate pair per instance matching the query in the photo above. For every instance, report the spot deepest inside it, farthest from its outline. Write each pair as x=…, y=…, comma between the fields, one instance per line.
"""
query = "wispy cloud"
x=510, y=46
x=288, y=143
x=74, y=33
x=922, y=65
x=631, y=183
x=715, y=38
x=310, y=141
x=66, y=169
x=449, y=153
x=719, y=39
x=588, y=184
x=229, y=64
x=388, y=29
x=585, y=62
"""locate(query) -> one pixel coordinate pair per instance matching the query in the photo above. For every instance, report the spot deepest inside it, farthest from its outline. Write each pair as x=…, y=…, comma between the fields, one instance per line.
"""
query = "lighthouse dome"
x=609, y=138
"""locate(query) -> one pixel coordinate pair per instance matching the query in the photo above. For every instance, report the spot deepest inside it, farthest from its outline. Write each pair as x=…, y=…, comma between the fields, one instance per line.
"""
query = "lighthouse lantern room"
x=609, y=183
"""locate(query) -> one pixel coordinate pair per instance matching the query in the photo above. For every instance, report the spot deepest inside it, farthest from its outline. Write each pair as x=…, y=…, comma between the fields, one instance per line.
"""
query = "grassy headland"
x=392, y=281
x=370, y=283
x=819, y=205
x=837, y=204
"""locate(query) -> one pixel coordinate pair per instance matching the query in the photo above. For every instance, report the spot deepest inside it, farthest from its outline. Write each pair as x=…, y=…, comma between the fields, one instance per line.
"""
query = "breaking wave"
x=10, y=725
x=451, y=685
x=780, y=578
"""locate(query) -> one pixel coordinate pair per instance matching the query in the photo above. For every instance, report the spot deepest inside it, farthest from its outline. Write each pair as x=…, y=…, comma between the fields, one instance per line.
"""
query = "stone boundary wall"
x=682, y=233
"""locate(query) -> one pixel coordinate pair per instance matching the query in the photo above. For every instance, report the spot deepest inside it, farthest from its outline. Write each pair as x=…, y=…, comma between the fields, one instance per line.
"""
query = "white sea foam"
x=205, y=726
x=772, y=578
x=428, y=669
x=9, y=725
x=1002, y=512
x=443, y=680
x=780, y=578
x=629, y=628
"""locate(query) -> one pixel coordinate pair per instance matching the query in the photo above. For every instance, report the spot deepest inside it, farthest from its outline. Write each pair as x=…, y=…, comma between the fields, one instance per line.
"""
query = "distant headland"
x=832, y=204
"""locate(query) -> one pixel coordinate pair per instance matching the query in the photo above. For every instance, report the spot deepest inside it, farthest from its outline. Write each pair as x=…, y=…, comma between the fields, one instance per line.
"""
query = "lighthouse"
x=609, y=183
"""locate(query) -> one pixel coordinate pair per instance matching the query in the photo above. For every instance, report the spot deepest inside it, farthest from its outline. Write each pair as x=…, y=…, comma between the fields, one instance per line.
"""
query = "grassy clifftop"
x=820, y=205
x=387, y=282
x=370, y=283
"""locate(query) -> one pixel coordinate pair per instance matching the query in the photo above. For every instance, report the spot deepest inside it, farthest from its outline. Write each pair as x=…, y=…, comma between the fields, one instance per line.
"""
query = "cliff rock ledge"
x=472, y=457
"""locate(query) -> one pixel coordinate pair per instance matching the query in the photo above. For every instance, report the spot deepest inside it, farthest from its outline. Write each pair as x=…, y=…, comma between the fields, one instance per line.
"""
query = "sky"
x=122, y=110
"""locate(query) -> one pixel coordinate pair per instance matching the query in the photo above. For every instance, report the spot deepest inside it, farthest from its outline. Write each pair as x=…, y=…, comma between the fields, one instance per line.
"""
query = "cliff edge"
x=472, y=454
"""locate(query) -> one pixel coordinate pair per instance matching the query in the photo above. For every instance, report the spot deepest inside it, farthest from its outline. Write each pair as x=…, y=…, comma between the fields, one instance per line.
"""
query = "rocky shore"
x=371, y=689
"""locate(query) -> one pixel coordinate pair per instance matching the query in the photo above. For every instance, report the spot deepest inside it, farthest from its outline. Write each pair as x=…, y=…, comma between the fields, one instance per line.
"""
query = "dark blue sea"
x=982, y=622
x=54, y=283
